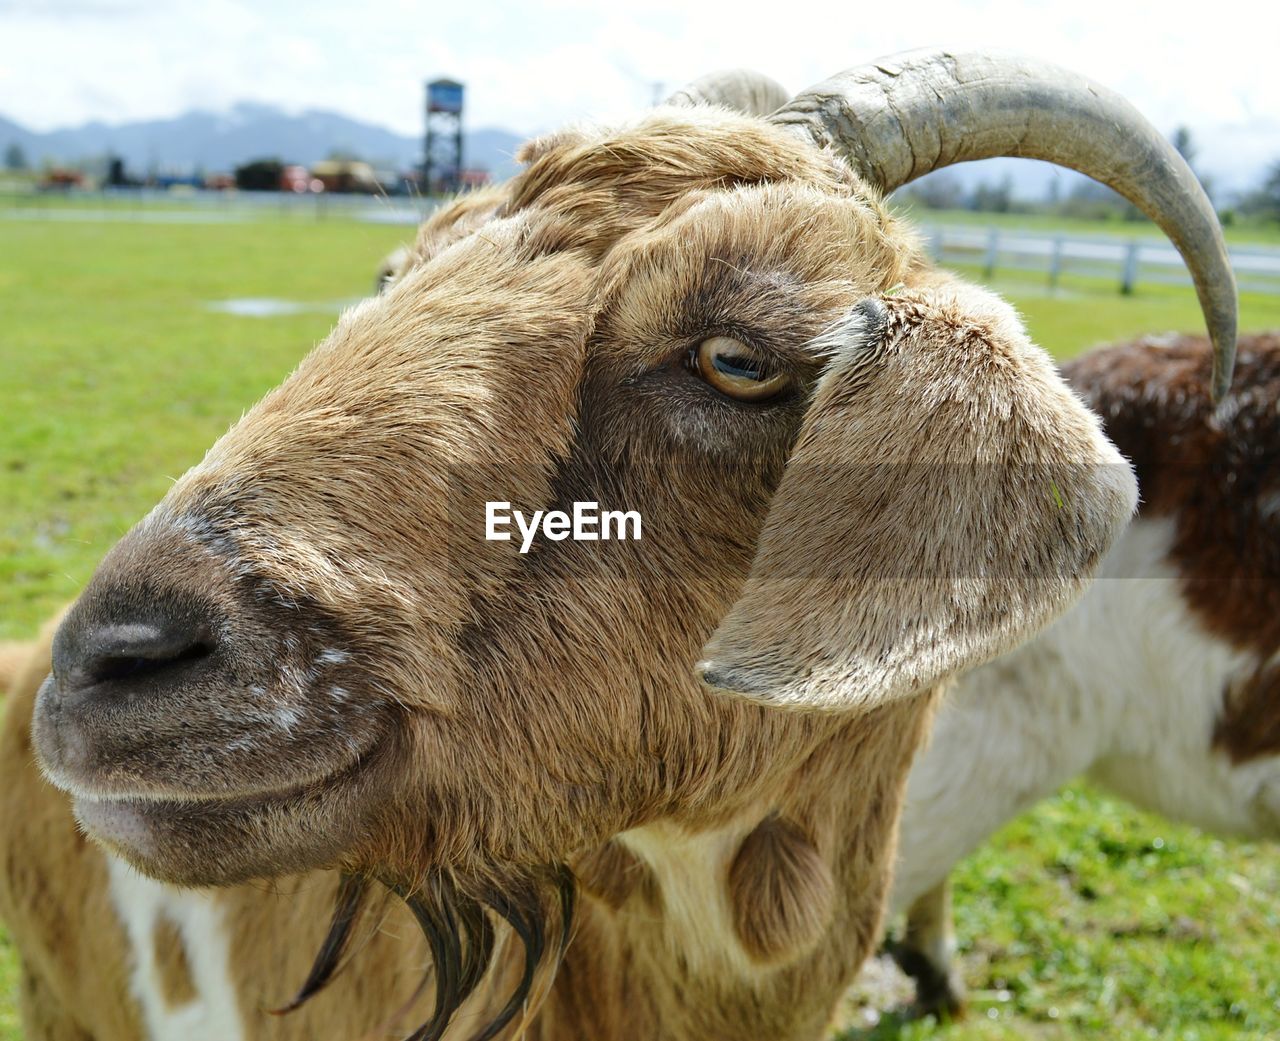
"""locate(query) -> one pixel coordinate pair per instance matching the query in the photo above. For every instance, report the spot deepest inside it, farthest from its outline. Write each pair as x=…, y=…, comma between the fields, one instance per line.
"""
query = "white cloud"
x=530, y=66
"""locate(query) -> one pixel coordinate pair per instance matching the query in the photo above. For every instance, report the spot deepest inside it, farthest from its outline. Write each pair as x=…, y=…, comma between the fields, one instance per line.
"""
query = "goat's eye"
x=736, y=370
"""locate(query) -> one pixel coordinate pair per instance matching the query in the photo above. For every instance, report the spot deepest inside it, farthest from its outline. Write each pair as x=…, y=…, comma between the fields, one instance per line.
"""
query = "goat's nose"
x=109, y=658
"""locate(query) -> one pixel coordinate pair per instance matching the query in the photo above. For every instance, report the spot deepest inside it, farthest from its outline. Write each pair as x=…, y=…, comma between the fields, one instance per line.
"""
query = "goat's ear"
x=947, y=496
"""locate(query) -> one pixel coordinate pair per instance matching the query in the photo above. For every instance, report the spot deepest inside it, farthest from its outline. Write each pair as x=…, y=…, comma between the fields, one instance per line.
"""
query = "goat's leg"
x=926, y=953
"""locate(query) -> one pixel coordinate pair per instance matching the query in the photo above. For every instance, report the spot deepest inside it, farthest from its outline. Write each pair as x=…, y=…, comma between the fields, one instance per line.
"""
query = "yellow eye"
x=736, y=370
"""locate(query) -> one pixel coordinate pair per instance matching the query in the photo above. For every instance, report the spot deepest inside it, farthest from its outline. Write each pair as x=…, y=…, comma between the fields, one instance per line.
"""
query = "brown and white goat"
x=1181, y=715
x=1163, y=683
x=309, y=656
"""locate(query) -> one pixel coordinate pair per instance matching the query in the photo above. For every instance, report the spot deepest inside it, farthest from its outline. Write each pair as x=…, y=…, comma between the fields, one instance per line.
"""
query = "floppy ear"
x=948, y=496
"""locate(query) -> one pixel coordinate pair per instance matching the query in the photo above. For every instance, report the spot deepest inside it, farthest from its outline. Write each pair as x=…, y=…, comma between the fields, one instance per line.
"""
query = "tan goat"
x=309, y=656
x=1214, y=759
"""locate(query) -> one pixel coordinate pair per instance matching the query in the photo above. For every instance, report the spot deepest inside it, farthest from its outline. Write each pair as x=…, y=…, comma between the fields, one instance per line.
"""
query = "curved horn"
x=743, y=90
x=899, y=118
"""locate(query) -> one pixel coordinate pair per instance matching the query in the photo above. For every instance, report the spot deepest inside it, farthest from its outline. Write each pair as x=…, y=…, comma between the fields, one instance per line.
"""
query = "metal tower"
x=442, y=147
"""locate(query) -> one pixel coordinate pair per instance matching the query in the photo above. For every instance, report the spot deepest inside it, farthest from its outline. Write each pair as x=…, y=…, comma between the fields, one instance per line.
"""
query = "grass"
x=117, y=377
x=1087, y=918
x=1244, y=232
x=1084, y=918
x=1086, y=312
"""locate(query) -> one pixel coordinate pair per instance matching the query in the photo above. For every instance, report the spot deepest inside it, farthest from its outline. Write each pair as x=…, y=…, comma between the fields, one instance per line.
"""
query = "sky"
x=532, y=65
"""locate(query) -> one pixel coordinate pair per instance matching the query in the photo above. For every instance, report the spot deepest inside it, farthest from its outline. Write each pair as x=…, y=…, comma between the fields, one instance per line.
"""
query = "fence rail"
x=1128, y=261
x=209, y=207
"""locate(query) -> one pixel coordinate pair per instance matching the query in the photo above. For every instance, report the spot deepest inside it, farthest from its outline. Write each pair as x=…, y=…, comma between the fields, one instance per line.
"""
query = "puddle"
x=270, y=307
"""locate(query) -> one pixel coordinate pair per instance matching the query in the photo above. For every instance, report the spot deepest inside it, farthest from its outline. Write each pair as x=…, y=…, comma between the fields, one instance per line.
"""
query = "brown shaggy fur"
x=386, y=692
x=176, y=984
x=1249, y=727
x=1216, y=471
x=13, y=655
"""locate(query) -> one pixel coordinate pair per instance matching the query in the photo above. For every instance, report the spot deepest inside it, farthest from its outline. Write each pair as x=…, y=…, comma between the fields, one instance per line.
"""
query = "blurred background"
x=190, y=193
x=188, y=92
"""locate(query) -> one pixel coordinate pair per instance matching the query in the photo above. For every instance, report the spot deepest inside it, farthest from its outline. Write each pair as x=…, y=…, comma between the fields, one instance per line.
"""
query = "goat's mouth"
x=200, y=838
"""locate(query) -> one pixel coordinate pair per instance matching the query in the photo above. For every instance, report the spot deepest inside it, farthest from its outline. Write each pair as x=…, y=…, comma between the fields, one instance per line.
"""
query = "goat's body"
x=171, y=964
x=679, y=912
x=1126, y=688
x=12, y=657
x=1134, y=686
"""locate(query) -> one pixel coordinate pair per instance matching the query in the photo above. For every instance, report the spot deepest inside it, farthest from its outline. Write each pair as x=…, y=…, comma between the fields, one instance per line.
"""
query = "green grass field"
x=1083, y=919
x=1244, y=232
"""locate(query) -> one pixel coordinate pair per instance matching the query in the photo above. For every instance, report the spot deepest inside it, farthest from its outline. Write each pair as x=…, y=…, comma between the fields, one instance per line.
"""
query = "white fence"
x=1129, y=262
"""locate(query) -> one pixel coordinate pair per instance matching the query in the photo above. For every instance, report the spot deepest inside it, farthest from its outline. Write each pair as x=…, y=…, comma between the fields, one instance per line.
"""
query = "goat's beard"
x=457, y=919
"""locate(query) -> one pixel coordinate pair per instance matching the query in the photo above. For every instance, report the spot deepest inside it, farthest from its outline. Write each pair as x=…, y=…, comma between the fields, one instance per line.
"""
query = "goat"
x=858, y=477
x=1182, y=718
x=1161, y=683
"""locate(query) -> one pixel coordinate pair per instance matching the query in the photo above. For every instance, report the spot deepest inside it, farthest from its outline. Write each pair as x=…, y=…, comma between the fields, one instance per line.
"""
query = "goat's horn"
x=743, y=90
x=899, y=118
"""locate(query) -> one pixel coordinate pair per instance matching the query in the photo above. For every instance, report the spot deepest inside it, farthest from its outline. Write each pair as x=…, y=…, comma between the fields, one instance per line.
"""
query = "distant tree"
x=117, y=176
x=260, y=175
x=343, y=155
x=1186, y=147
x=1264, y=201
x=938, y=191
x=1090, y=200
x=15, y=158
x=1053, y=193
x=993, y=198
x=1271, y=190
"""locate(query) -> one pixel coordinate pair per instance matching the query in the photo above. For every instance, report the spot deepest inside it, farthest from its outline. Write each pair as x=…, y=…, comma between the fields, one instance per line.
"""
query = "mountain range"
x=221, y=141
x=1233, y=157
